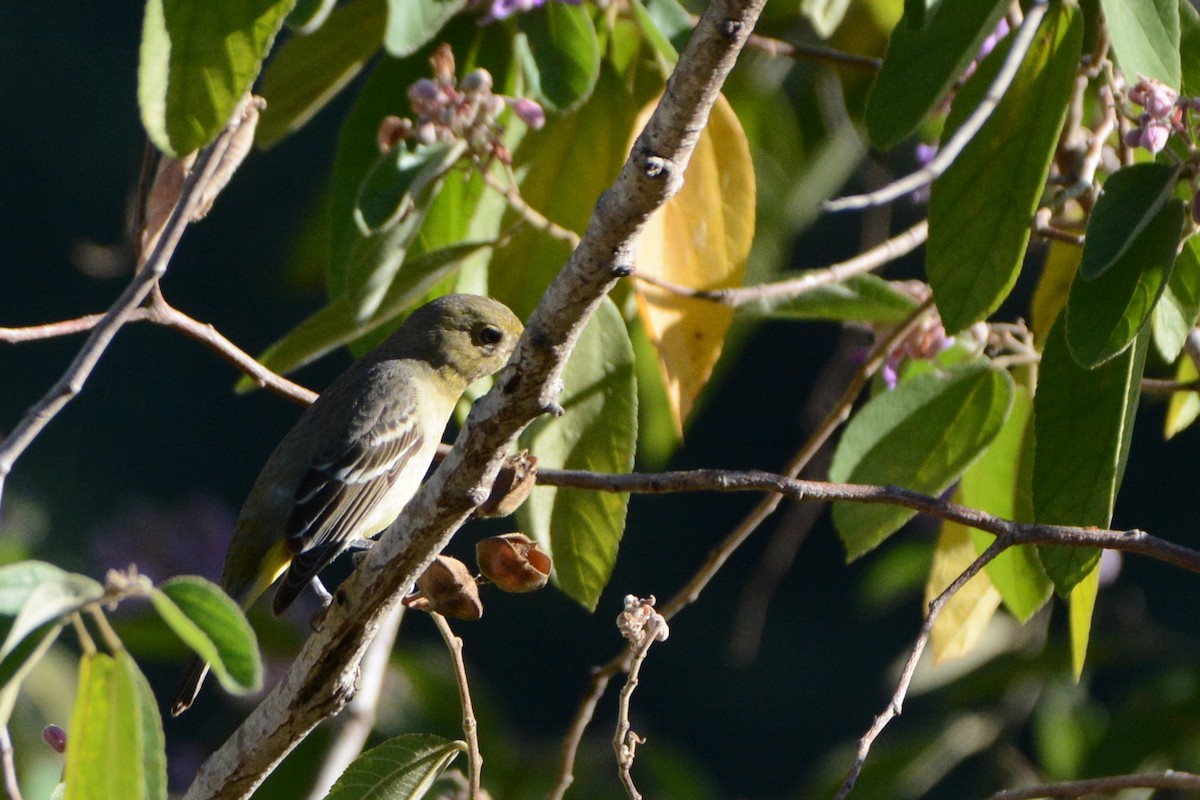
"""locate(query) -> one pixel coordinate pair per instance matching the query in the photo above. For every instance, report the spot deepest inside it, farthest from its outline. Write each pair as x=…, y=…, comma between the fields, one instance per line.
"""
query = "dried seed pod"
x=513, y=484
x=55, y=738
x=448, y=588
x=513, y=562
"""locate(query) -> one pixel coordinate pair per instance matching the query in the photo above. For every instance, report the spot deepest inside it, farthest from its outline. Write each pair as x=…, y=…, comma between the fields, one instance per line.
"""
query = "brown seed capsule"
x=513, y=562
x=448, y=588
x=513, y=484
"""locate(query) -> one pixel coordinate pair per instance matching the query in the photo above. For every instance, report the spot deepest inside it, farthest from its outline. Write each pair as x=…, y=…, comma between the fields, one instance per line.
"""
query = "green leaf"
x=309, y=71
x=1176, y=311
x=1189, y=47
x=335, y=324
x=560, y=54
x=923, y=60
x=1183, y=407
x=197, y=60
x=598, y=432
x=861, y=298
x=1145, y=38
x=151, y=741
x=211, y=623
x=392, y=188
x=402, y=768
x=1132, y=197
x=992, y=484
x=412, y=23
x=18, y=580
x=54, y=597
x=104, y=759
x=590, y=146
x=664, y=23
x=1083, y=423
x=1083, y=602
x=980, y=209
x=922, y=435
x=307, y=16
x=827, y=15
x=1104, y=315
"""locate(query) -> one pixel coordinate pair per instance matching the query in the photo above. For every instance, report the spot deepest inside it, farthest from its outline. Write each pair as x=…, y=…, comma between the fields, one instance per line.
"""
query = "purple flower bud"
x=1154, y=136
x=476, y=81
x=506, y=8
x=1133, y=137
x=425, y=133
x=424, y=91
x=891, y=374
x=989, y=44
x=1161, y=100
x=925, y=153
x=529, y=112
x=55, y=738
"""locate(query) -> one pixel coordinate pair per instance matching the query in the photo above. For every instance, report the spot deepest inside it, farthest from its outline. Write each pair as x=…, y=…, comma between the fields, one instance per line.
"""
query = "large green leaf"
x=1145, y=38
x=560, y=53
x=402, y=768
x=980, y=209
x=104, y=741
x=924, y=59
x=309, y=71
x=413, y=23
x=1176, y=311
x=1189, y=47
x=1083, y=423
x=151, y=741
x=18, y=580
x=991, y=484
x=598, y=432
x=50, y=596
x=211, y=623
x=921, y=435
x=1132, y=197
x=1105, y=314
x=197, y=60
x=861, y=298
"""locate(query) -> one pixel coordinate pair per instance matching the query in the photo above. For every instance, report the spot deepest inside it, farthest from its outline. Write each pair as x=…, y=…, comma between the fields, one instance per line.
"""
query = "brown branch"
x=1168, y=779
x=73, y=380
x=321, y=680
x=868, y=261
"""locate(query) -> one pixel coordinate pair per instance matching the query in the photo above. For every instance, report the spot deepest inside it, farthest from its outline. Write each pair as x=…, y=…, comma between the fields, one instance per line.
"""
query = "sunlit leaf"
x=967, y=614
x=1189, y=47
x=598, y=432
x=1104, y=315
x=1176, y=311
x=980, y=209
x=210, y=622
x=309, y=71
x=700, y=239
x=861, y=298
x=924, y=59
x=402, y=768
x=1131, y=200
x=825, y=15
x=1058, y=271
x=1145, y=38
x=412, y=23
x=1083, y=422
x=104, y=758
x=50, y=595
x=1083, y=602
x=921, y=435
x=197, y=60
x=151, y=741
x=1183, y=407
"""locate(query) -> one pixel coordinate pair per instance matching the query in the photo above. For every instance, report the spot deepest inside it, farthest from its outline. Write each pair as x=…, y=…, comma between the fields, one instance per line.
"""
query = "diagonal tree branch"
x=322, y=679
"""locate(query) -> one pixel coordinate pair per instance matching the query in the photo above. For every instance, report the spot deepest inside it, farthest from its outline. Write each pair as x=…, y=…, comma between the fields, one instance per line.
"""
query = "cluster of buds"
x=925, y=341
x=1163, y=113
x=450, y=110
x=511, y=561
x=640, y=624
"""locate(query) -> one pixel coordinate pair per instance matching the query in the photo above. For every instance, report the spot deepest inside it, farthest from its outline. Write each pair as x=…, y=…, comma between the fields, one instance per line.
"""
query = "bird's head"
x=470, y=334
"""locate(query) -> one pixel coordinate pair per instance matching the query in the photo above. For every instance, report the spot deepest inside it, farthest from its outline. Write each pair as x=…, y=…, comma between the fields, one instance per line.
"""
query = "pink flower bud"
x=529, y=112
x=477, y=81
x=1132, y=137
x=1154, y=136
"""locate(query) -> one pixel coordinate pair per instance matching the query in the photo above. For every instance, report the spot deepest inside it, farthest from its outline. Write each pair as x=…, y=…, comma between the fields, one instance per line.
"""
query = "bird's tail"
x=189, y=685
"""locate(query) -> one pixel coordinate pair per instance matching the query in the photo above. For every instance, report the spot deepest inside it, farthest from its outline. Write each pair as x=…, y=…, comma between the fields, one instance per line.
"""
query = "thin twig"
x=721, y=553
x=949, y=151
x=531, y=215
x=625, y=741
x=357, y=719
x=470, y=726
x=72, y=381
x=1168, y=779
x=868, y=261
x=811, y=52
x=11, y=787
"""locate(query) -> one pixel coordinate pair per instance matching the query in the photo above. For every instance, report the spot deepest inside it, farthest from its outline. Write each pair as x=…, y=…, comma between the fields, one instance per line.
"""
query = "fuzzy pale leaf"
x=968, y=613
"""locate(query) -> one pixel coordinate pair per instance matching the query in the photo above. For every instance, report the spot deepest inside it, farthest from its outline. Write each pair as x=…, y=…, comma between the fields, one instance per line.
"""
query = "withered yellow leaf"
x=968, y=613
x=700, y=239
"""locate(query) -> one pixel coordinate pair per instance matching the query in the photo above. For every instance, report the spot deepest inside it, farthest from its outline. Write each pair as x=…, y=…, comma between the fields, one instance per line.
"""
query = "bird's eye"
x=490, y=335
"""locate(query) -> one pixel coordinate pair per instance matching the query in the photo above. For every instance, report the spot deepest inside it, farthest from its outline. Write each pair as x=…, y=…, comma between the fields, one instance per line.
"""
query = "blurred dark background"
x=151, y=462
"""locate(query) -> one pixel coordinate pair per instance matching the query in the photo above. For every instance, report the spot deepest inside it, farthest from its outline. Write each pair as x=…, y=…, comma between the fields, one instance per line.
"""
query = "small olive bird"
x=356, y=457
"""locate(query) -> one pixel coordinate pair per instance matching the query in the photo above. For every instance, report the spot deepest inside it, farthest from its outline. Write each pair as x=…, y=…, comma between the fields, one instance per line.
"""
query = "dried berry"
x=448, y=588
x=513, y=562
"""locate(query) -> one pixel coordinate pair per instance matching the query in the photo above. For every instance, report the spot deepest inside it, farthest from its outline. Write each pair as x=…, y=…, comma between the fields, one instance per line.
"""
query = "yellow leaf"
x=968, y=613
x=1184, y=407
x=1062, y=260
x=1082, y=602
x=700, y=239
